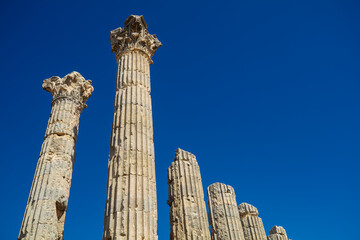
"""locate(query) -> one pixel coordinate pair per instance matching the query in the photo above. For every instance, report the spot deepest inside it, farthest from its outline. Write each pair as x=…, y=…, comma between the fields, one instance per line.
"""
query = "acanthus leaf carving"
x=134, y=36
x=72, y=86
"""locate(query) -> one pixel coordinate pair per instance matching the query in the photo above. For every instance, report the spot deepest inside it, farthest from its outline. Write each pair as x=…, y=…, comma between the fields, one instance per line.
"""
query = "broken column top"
x=278, y=230
x=247, y=209
x=134, y=36
x=182, y=155
x=73, y=86
x=227, y=189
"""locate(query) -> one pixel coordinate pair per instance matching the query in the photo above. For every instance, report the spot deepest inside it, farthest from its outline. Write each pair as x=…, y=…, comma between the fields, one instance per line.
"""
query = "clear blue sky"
x=264, y=93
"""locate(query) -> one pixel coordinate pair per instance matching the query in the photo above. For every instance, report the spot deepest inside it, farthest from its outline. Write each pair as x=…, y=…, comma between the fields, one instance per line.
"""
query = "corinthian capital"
x=134, y=36
x=72, y=86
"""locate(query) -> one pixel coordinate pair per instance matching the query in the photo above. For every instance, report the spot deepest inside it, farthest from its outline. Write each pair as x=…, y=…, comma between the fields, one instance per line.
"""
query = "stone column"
x=188, y=218
x=252, y=225
x=131, y=208
x=223, y=213
x=277, y=233
x=45, y=212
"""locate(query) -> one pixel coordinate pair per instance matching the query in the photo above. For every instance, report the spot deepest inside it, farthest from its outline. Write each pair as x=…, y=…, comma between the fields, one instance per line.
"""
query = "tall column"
x=277, y=233
x=188, y=217
x=223, y=213
x=131, y=208
x=45, y=212
x=252, y=225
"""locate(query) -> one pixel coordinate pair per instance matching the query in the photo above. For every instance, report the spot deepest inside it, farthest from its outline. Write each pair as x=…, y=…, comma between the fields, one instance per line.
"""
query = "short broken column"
x=45, y=212
x=188, y=218
x=252, y=225
x=277, y=233
x=223, y=213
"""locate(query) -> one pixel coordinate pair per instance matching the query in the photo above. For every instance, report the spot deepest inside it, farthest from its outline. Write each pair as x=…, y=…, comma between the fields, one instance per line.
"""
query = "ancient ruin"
x=45, y=212
x=131, y=203
x=251, y=223
x=188, y=218
x=131, y=209
x=223, y=213
x=277, y=233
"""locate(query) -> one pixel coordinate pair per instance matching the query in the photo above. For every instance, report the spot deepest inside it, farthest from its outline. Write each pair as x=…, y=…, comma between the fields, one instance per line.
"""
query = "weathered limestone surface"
x=223, y=213
x=277, y=233
x=252, y=225
x=45, y=212
x=188, y=216
x=131, y=208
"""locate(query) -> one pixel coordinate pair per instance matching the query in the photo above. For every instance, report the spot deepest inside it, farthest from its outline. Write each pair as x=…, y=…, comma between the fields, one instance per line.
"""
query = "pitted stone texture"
x=252, y=225
x=45, y=212
x=277, y=233
x=131, y=205
x=223, y=213
x=248, y=209
x=188, y=218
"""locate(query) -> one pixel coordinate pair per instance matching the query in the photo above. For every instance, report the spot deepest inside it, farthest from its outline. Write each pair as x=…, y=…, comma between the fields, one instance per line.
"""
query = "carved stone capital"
x=134, y=36
x=73, y=86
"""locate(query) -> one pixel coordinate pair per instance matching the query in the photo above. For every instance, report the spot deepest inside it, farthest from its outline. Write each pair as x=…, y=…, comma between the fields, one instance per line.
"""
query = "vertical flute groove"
x=252, y=225
x=133, y=201
x=188, y=217
x=277, y=233
x=223, y=214
x=45, y=211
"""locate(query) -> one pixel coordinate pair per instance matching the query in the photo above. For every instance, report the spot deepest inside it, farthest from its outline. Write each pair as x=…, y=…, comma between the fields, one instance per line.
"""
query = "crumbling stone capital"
x=73, y=86
x=134, y=36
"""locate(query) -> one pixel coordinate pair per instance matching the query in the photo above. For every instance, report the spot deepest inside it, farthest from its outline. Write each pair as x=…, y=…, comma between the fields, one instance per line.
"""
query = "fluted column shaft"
x=251, y=222
x=188, y=216
x=223, y=213
x=131, y=211
x=131, y=208
x=45, y=212
x=276, y=237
